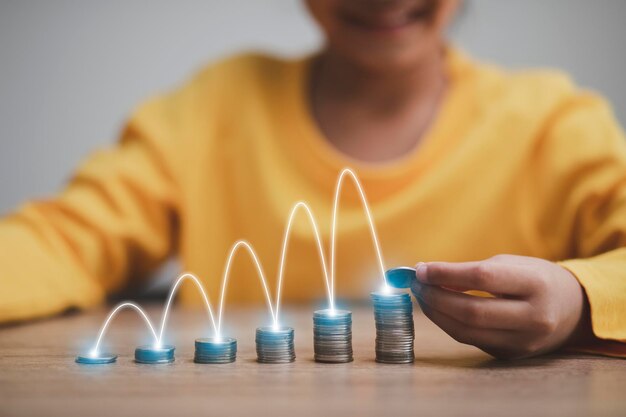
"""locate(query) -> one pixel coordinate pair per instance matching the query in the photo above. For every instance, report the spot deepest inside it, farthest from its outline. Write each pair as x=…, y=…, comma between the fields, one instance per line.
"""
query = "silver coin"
x=332, y=336
x=215, y=351
x=395, y=332
x=275, y=345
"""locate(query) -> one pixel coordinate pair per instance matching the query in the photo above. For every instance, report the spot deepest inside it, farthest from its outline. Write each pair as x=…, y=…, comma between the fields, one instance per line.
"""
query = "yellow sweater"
x=520, y=163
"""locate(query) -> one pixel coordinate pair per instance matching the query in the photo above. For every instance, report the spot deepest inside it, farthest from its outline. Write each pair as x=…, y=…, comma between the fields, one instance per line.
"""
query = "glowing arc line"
x=261, y=274
x=113, y=313
x=328, y=270
x=330, y=290
x=379, y=255
x=170, y=297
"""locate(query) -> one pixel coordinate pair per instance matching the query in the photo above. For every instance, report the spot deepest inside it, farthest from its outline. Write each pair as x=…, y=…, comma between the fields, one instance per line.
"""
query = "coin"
x=215, y=350
x=400, y=277
x=99, y=359
x=275, y=345
x=154, y=354
x=395, y=333
x=332, y=336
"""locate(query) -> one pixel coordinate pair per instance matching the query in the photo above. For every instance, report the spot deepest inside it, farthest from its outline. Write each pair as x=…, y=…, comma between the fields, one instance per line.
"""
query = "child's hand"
x=538, y=305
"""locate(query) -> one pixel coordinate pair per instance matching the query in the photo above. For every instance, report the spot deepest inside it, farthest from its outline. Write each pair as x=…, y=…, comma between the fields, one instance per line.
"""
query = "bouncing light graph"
x=328, y=269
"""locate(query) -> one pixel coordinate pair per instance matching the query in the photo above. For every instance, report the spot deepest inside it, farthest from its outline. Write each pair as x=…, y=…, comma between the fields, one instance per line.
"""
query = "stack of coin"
x=395, y=332
x=154, y=354
x=275, y=345
x=215, y=350
x=332, y=336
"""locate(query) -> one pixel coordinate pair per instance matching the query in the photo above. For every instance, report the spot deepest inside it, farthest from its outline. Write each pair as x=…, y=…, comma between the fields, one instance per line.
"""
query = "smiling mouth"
x=387, y=21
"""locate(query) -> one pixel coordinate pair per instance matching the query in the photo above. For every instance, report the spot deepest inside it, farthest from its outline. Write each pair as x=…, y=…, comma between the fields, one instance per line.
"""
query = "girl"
x=461, y=161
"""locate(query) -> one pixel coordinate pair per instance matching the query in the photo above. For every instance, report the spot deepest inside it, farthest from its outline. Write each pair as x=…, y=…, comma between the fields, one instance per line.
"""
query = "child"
x=460, y=161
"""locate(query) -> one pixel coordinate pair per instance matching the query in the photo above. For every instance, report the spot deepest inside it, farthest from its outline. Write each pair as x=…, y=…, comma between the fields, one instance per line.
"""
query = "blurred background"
x=71, y=71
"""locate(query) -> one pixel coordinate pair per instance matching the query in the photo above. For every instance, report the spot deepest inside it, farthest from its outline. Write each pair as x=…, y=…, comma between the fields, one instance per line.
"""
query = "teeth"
x=394, y=21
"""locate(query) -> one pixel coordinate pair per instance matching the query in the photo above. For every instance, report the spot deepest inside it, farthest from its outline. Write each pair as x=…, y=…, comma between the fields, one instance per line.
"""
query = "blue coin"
x=400, y=277
x=215, y=351
x=154, y=355
x=389, y=299
x=100, y=359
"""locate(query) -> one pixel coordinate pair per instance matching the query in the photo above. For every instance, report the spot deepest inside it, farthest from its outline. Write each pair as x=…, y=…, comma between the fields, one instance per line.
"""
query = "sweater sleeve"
x=581, y=182
x=115, y=219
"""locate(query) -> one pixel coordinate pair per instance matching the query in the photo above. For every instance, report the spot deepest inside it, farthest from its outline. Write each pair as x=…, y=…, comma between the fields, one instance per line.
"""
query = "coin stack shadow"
x=395, y=332
x=275, y=345
x=215, y=351
x=332, y=336
x=154, y=355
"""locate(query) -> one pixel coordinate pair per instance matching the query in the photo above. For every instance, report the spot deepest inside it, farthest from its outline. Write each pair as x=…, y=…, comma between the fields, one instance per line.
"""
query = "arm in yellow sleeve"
x=115, y=219
x=582, y=164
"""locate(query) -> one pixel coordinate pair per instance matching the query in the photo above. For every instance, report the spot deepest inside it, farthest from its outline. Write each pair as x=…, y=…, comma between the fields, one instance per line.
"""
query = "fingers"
x=479, y=312
x=490, y=276
x=486, y=339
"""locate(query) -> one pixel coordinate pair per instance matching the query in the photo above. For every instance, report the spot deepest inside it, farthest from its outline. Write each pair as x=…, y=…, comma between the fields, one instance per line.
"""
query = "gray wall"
x=71, y=70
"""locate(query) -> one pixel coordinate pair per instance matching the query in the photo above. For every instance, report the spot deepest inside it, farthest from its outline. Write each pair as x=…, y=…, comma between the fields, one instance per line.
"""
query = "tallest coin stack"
x=395, y=332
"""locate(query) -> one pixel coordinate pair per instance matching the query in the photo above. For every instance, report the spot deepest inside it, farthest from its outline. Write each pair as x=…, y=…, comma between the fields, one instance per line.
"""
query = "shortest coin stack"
x=395, y=333
x=154, y=355
x=96, y=359
x=275, y=345
x=215, y=350
x=332, y=336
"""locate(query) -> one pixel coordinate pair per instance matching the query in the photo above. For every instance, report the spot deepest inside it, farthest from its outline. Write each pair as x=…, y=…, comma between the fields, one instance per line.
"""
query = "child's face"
x=383, y=35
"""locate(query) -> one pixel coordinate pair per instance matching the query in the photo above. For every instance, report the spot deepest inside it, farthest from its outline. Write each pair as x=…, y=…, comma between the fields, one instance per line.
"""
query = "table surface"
x=38, y=375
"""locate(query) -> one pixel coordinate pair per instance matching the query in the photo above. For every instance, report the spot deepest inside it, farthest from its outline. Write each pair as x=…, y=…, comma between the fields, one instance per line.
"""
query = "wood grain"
x=38, y=375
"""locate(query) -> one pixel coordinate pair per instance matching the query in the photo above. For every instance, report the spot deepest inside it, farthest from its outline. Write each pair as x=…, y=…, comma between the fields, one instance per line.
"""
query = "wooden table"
x=38, y=375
